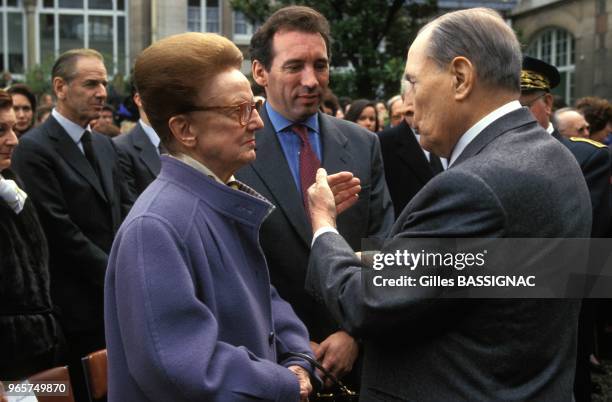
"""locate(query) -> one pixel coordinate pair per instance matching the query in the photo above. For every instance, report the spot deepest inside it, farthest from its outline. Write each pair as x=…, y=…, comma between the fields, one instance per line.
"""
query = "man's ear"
x=59, y=87
x=548, y=102
x=137, y=100
x=260, y=75
x=181, y=131
x=464, y=77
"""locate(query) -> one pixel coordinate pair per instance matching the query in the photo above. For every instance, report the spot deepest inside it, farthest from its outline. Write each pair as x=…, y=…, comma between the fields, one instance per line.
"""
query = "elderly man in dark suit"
x=502, y=181
x=139, y=152
x=408, y=167
x=290, y=54
x=74, y=179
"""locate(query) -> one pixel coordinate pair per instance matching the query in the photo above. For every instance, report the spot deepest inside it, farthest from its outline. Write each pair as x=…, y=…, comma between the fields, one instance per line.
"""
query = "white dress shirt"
x=477, y=128
x=151, y=134
x=74, y=130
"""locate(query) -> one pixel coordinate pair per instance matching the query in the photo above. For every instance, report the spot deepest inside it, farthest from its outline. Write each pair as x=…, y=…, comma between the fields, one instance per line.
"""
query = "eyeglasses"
x=245, y=110
x=531, y=102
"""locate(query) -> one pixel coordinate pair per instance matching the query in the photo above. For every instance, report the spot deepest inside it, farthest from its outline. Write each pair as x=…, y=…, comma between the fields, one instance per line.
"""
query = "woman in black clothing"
x=28, y=329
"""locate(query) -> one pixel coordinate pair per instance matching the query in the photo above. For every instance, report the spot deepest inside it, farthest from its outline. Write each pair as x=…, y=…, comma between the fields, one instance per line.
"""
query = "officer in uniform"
x=537, y=79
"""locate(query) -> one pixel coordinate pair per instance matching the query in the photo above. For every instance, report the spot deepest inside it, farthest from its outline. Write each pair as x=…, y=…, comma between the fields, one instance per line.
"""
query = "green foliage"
x=372, y=36
x=38, y=78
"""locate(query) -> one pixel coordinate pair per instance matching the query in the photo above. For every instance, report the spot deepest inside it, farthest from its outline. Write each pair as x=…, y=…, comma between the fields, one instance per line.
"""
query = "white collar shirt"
x=477, y=128
x=74, y=130
x=151, y=134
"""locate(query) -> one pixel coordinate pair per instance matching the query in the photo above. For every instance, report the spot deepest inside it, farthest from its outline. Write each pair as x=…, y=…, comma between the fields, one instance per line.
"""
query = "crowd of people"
x=212, y=246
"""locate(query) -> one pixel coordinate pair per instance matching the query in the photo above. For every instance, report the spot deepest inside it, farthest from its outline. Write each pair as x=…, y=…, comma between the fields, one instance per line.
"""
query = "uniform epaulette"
x=581, y=139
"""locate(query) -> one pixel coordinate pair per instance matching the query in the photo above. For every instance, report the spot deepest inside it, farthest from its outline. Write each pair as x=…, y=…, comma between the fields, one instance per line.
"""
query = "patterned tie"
x=309, y=163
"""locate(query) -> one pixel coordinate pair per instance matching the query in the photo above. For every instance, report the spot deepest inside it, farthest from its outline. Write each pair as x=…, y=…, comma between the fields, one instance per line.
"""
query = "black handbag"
x=339, y=391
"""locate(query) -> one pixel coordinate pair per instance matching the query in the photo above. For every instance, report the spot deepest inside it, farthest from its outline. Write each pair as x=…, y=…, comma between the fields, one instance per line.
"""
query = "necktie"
x=435, y=164
x=309, y=163
x=89, y=152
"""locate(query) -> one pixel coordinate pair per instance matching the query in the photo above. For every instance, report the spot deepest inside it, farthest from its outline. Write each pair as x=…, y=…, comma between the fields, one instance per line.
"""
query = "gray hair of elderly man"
x=481, y=36
x=555, y=117
x=394, y=99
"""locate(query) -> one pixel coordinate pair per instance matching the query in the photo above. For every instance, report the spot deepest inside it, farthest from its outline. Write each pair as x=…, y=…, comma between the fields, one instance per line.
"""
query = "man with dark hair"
x=290, y=54
x=419, y=346
x=73, y=176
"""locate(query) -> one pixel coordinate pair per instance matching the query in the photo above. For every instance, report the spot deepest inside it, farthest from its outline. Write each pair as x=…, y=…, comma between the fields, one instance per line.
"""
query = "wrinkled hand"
x=322, y=201
x=345, y=188
x=337, y=353
x=304, y=380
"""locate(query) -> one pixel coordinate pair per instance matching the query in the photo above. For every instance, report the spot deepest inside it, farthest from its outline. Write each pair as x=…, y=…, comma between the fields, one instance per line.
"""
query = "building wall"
x=590, y=22
x=155, y=19
x=139, y=27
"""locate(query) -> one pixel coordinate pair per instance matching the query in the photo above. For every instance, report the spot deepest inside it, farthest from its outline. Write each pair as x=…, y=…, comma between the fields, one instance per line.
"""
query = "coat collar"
x=244, y=205
x=147, y=152
x=277, y=176
x=510, y=121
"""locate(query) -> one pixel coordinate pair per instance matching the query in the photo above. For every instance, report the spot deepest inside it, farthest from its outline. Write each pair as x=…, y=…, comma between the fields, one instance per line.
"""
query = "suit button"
x=271, y=338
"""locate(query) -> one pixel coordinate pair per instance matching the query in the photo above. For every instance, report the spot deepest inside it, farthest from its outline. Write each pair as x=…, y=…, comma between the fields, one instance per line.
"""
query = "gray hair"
x=392, y=100
x=482, y=36
x=65, y=65
x=559, y=112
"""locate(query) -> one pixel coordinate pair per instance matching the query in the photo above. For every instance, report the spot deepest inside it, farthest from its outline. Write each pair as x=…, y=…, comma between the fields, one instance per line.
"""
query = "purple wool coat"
x=190, y=314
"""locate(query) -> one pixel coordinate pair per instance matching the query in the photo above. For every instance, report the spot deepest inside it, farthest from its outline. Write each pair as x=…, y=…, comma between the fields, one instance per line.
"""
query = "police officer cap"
x=537, y=74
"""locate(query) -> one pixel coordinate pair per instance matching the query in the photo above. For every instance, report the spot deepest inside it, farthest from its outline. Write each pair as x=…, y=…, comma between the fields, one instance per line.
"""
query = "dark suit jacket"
x=286, y=235
x=421, y=348
x=407, y=169
x=79, y=214
x=139, y=159
x=594, y=161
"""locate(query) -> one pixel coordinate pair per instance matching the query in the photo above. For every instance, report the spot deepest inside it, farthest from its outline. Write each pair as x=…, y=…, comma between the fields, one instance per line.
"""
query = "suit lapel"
x=278, y=178
x=71, y=153
x=336, y=157
x=512, y=120
x=147, y=152
x=409, y=150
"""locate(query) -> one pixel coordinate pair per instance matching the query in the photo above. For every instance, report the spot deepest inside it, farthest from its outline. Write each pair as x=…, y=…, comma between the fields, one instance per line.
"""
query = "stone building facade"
x=35, y=32
x=575, y=36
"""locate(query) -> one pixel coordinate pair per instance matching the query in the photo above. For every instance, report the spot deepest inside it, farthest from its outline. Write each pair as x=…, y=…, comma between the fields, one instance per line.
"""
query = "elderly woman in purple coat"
x=189, y=310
